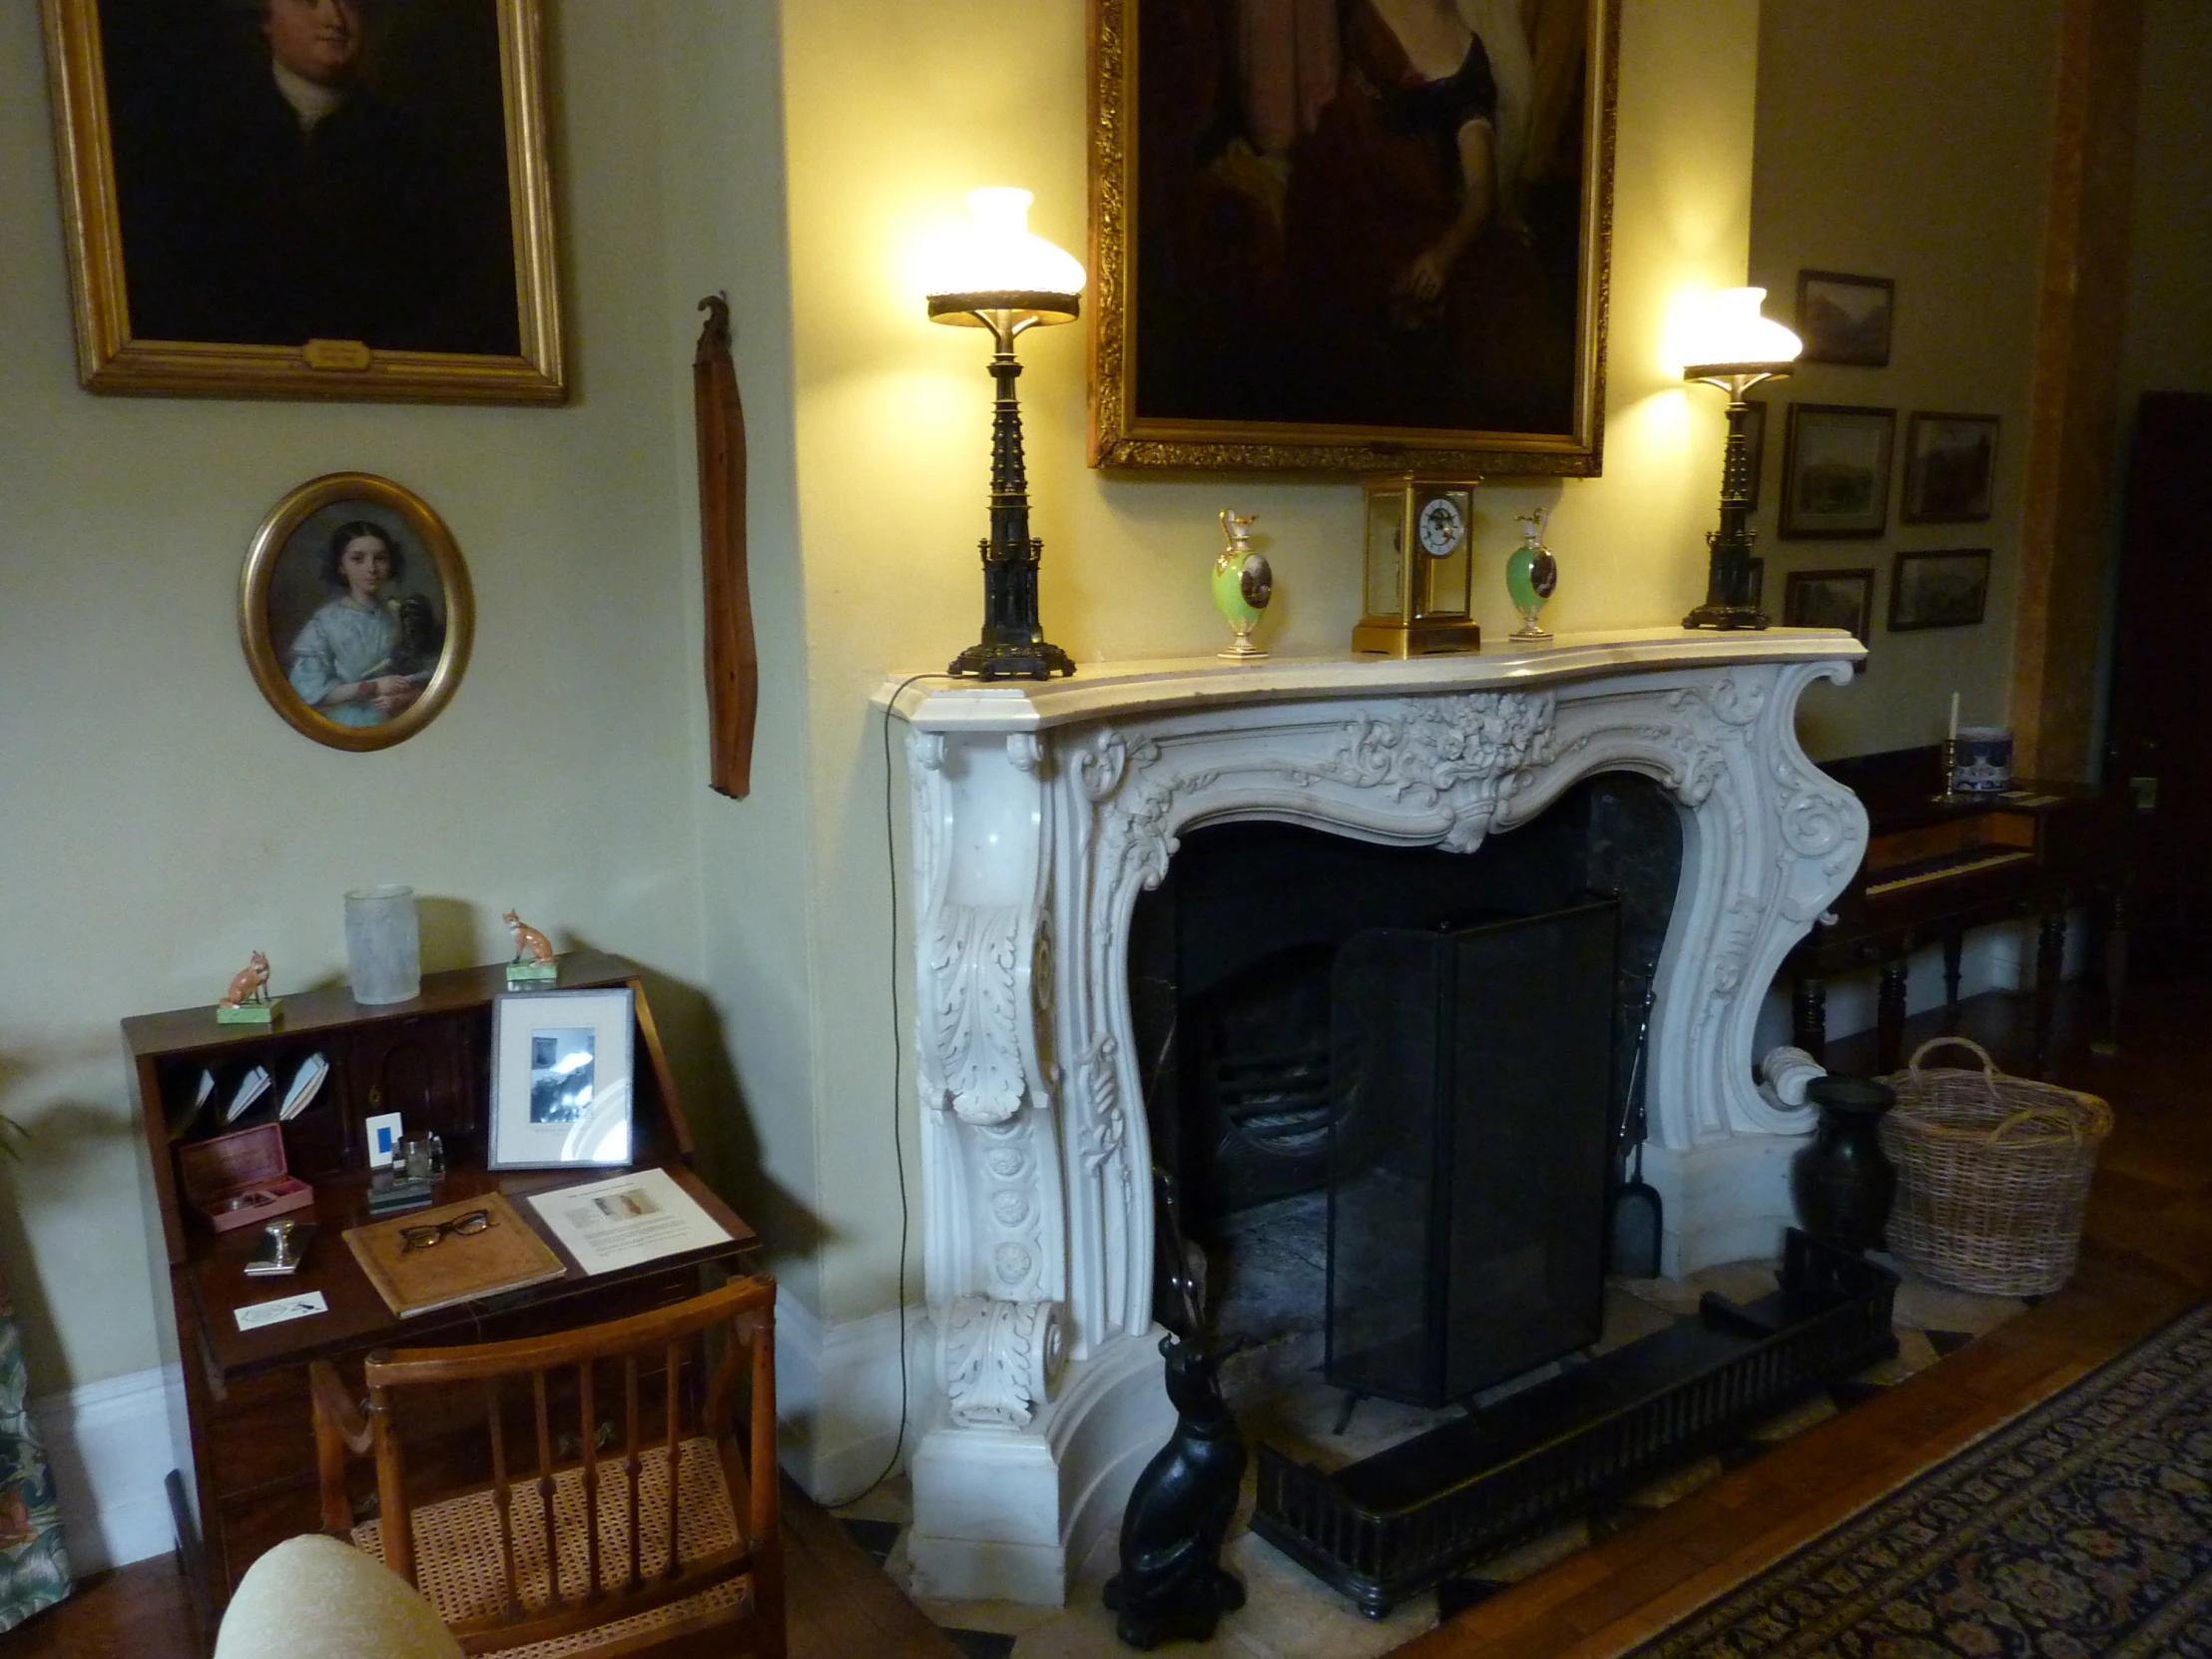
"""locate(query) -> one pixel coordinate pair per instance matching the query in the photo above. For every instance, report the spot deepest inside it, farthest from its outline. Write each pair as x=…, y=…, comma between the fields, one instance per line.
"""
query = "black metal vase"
x=1840, y=1181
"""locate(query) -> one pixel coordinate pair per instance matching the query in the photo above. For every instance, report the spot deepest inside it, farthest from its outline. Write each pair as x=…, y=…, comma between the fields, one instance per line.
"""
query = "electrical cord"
x=898, y=1074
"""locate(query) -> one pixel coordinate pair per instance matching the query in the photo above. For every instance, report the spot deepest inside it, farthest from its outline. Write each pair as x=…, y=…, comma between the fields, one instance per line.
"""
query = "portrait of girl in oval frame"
x=356, y=612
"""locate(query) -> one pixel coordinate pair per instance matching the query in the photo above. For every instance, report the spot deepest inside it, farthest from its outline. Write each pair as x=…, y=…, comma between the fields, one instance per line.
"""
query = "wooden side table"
x=1935, y=870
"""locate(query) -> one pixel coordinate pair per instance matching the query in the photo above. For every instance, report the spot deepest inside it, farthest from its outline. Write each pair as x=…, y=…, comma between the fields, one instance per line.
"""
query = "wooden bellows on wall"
x=616, y=1491
x=733, y=662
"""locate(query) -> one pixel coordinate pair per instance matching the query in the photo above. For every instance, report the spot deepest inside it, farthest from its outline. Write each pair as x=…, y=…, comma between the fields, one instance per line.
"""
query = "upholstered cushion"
x=317, y=1598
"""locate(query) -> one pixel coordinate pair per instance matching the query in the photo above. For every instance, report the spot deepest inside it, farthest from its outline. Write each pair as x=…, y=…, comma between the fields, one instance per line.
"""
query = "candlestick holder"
x=1949, y=795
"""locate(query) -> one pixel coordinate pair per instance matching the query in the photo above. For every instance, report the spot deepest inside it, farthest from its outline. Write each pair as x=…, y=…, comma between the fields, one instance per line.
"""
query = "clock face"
x=1441, y=526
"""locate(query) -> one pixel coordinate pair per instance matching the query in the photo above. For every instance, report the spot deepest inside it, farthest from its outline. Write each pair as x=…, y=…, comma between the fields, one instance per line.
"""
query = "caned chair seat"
x=599, y=1444
x=461, y=1571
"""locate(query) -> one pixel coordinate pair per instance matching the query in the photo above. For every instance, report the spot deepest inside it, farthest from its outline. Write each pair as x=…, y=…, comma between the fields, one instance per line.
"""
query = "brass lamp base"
x=1415, y=639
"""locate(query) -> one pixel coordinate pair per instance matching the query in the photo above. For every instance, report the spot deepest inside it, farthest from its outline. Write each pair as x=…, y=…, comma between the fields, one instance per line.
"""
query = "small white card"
x=258, y=1314
x=383, y=1139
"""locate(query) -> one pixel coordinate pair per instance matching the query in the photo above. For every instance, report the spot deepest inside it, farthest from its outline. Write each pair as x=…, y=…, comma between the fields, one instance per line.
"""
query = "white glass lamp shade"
x=1001, y=266
x=1735, y=342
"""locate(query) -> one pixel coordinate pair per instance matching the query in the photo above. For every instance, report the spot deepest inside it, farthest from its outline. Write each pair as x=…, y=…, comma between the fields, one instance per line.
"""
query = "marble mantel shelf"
x=938, y=703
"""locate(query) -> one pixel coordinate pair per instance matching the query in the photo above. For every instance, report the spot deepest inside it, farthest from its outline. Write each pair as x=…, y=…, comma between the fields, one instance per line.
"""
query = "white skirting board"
x=110, y=1445
x=837, y=1395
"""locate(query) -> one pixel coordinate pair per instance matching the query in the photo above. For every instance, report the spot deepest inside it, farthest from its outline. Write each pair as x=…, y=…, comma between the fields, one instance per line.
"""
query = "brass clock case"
x=1419, y=567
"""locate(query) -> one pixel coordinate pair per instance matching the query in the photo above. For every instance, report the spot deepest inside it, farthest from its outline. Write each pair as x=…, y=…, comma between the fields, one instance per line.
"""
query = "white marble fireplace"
x=1040, y=811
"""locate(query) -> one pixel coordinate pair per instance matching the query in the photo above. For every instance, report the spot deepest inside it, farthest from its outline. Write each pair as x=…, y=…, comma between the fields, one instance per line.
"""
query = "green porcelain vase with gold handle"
x=1532, y=573
x=1243, y=585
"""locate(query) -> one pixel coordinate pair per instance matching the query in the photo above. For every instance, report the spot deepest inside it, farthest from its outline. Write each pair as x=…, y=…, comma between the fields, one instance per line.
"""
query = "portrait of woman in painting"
x=356, y=612
x=1362, y=213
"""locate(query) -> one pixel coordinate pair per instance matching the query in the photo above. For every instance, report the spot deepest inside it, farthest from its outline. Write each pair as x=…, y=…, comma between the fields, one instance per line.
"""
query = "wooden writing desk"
x=1936, y=868
x=254, y=1481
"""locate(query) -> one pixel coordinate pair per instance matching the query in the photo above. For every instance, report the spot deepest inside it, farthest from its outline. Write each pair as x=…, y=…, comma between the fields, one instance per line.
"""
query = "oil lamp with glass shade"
x=1735, y=349
x=1003, y=277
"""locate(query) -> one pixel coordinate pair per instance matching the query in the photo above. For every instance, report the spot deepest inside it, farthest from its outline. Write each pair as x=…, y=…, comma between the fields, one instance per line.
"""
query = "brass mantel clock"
x=1419, y=567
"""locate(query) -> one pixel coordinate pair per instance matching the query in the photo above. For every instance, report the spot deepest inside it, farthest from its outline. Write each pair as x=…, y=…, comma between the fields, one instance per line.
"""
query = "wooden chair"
x=570, y=1552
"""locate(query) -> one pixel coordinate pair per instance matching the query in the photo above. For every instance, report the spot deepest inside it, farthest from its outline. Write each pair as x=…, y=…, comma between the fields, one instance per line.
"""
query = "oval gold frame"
x=260, y=568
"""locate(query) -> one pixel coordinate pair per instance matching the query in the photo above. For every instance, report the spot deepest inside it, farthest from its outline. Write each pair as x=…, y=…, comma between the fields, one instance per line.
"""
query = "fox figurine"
x=250, y=983
x=530, y=945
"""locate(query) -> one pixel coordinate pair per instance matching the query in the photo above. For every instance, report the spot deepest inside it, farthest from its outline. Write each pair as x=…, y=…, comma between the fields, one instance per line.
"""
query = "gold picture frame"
x=366, y=667
x=1241, y=338
x=181, y=137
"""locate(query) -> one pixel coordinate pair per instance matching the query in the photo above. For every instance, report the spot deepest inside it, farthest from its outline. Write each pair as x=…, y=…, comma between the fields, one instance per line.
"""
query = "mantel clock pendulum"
x=1419, y=567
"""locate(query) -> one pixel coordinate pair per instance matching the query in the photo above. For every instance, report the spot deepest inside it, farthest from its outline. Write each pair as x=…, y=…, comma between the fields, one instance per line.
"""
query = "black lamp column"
x=1728, y=571
x=1014, y=645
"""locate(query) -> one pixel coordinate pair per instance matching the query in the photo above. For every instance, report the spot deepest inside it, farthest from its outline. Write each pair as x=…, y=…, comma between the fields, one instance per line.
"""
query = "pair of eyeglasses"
x=423, y=1237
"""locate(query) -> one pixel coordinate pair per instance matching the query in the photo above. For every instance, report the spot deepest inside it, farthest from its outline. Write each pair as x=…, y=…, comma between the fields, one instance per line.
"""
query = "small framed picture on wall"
x=1836, y=471
x=1951, y=463
x=1845, y=320
x=1946, y=589
x=1831, y=599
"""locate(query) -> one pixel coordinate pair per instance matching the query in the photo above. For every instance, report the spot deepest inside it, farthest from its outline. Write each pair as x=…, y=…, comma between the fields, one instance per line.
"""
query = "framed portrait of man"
x=340, y=199
x=1355, y=235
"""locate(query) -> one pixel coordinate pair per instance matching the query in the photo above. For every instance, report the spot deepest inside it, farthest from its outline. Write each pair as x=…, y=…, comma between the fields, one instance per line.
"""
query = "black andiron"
x=1172, y=1585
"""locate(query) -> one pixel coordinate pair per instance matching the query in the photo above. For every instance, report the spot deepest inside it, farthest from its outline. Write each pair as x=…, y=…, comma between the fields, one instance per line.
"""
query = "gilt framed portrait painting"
x=355, y=611
x=339, y=199
x=1351, y=235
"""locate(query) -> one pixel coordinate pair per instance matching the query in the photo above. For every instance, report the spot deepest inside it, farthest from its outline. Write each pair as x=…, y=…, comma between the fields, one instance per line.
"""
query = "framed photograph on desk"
x=561, y=1079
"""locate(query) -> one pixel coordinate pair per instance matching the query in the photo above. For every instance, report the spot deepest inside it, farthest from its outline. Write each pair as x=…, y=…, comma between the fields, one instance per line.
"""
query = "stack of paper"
x=304, y=1083
x=251, y=1087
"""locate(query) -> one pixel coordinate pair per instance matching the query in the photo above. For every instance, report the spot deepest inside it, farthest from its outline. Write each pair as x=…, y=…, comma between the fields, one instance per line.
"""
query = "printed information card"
x=256, y=1314
x=627, y=1219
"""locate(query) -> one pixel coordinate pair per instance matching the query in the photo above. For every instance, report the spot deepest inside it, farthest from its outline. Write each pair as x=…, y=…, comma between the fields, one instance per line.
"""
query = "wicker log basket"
x=1993, y=1174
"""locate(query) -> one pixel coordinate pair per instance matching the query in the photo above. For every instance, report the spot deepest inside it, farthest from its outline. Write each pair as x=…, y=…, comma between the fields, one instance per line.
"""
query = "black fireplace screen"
x=1468, y=1152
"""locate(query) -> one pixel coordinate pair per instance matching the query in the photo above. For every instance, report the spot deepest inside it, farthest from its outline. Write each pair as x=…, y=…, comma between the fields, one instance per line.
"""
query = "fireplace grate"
x=1281, y=1102
x=1396, y=1523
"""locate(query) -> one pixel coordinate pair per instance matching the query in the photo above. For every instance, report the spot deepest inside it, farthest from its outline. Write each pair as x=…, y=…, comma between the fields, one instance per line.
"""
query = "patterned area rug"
x=2080, y=1530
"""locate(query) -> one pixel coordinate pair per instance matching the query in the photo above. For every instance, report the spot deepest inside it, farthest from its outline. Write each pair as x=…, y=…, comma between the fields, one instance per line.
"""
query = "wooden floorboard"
x=2147, y=1257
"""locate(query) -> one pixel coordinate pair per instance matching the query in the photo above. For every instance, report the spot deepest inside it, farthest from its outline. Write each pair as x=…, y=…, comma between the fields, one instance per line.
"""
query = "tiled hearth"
x=1291, y=1616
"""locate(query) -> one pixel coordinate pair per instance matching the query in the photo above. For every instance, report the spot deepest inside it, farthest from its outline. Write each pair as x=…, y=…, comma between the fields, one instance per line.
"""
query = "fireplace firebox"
x=1388, y=1081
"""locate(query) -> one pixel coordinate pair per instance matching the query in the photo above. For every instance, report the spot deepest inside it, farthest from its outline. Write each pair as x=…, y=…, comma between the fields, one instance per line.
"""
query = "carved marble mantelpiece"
x=1039, y=813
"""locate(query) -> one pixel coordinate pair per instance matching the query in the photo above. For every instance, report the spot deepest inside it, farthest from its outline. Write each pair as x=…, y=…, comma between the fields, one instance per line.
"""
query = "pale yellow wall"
x=894, y=111
x=1908, y=138
x=2169, y=295
x=160, y=821
x=720, y=150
